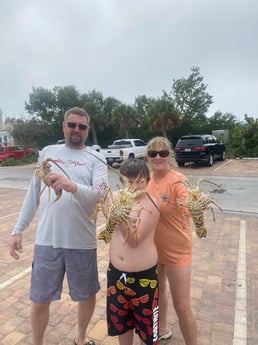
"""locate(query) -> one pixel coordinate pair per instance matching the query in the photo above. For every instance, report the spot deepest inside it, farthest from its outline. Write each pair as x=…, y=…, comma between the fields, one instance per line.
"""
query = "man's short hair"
x=77, y=111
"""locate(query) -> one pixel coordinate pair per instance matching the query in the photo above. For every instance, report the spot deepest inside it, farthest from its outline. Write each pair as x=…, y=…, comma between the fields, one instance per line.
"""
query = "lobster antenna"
x=120, y=175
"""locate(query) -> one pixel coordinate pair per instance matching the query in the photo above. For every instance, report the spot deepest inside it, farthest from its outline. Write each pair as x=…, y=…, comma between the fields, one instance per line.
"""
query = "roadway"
x=236, y=194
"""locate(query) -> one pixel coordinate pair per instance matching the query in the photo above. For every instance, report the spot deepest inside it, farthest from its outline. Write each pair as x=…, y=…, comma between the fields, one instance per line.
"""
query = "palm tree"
x=123, y=118
x=163, y=114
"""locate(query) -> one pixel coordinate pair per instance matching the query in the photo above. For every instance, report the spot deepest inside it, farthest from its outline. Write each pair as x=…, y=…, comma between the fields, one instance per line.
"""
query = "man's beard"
x=75, y=142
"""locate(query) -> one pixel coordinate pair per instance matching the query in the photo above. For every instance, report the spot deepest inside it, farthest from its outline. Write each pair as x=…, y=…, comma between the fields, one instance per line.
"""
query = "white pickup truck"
x=123, y=149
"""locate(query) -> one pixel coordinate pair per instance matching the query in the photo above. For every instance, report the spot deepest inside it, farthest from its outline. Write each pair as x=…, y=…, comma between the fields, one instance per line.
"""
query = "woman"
x=173, y=239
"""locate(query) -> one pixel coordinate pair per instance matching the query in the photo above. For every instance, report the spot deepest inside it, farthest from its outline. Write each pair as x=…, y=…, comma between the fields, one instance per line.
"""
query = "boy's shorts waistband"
x=134, y=274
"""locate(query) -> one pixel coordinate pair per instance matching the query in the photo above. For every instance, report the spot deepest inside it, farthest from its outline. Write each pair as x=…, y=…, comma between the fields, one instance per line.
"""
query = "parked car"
x=123, y=149
x=60, y=142
x=199, y=148
x=14, y=151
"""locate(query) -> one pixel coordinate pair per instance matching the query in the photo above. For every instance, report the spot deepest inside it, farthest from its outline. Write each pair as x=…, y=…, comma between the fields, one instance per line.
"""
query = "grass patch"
x=23, y=161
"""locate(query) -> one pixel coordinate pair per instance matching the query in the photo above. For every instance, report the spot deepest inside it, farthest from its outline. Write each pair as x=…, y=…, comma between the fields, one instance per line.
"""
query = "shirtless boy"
x=132, y=284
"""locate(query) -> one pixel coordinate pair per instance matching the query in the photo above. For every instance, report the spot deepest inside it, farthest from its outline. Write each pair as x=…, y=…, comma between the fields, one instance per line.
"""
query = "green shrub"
x=23, y=161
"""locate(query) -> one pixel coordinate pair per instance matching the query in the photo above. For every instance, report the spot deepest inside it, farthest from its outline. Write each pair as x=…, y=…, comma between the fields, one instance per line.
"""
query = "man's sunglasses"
x=154, y=153
x=74, y=125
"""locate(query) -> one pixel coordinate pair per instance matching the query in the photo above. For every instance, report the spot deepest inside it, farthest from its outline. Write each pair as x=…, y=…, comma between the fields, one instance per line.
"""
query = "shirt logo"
x=165, y=198
x=70, y=163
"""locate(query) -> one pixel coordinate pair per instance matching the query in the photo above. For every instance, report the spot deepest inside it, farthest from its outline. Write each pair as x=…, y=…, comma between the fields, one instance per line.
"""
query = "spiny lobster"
x=43, y=171
x=197, y=203
x=116, y=207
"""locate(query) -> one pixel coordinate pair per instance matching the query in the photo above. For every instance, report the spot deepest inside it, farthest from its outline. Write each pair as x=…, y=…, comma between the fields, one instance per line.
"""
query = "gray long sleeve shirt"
x=65, y=223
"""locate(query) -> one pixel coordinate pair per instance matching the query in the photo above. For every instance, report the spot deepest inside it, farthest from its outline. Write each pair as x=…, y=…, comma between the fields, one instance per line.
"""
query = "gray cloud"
x=129, y=48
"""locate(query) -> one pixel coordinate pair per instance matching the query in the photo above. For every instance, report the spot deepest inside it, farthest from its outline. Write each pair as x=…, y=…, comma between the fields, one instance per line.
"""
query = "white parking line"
x=14, y=278
x=9, y=215
x=221, y=166
x=240, y=326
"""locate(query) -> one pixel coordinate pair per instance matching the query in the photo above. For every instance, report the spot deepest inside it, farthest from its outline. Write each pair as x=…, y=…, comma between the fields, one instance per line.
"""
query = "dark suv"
x=199, y=148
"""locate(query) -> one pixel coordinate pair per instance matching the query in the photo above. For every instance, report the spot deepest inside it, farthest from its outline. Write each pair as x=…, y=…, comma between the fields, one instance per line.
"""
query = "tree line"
x=179, y=111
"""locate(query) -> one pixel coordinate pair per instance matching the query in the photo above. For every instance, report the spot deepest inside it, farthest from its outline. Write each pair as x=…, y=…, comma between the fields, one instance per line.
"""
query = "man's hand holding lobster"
x=60, y=182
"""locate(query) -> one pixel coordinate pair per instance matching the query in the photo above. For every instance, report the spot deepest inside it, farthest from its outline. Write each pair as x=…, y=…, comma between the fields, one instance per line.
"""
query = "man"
x=66, y=238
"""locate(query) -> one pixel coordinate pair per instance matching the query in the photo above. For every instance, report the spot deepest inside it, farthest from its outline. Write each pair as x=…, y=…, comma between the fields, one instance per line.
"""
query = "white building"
x=5, y=138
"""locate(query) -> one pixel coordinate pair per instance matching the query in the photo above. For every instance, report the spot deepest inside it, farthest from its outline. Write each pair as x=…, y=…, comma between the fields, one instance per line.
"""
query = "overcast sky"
x=127, y=48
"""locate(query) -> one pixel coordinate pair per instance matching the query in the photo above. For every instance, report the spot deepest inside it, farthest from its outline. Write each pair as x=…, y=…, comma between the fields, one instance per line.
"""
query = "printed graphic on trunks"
x=142, y=299
x=111, y=290
x=147, y=282
x=133, y=303
x=126, y=289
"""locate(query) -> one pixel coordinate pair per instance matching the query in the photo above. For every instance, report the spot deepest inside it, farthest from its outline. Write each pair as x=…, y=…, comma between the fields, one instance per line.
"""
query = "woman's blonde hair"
x=161, y=143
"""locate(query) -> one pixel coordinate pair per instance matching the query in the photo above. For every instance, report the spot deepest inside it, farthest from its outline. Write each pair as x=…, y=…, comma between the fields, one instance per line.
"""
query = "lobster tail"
x=200, y=229
x=105, y=236
x=201, y=232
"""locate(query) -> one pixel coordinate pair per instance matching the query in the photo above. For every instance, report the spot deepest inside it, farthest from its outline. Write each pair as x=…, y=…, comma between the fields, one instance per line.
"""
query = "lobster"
x=43, y=171
x=197, y=203
x=117, y=207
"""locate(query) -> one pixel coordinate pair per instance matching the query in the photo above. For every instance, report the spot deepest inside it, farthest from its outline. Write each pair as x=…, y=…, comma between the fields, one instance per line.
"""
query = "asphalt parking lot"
x=231, y=167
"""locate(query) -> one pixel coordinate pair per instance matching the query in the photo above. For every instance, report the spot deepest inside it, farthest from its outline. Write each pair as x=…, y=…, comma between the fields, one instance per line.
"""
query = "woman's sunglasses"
x=74, y=125
x=154, y=153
